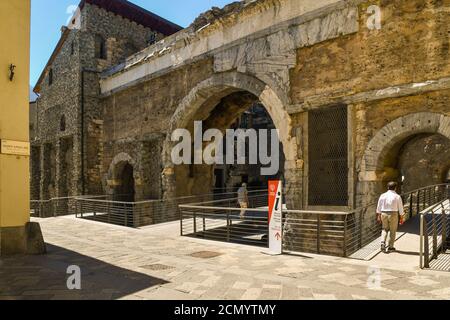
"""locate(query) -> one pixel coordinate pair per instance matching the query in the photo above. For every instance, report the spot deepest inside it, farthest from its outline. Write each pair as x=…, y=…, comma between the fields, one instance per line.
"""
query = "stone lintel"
x=403, y=90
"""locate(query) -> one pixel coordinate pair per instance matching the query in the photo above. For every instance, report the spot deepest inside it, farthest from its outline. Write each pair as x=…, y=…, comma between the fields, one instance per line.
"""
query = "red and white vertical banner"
x=275, y=217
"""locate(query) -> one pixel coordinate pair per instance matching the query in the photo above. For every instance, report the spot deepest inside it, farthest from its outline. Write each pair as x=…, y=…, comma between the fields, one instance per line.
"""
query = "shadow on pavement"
x=45, y=277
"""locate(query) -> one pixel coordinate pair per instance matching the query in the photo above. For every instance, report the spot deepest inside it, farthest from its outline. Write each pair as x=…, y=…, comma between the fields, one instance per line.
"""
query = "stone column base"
x=22, y=240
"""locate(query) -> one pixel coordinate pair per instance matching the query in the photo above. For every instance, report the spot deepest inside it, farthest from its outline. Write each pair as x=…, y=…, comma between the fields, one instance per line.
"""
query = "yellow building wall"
x=14, y=96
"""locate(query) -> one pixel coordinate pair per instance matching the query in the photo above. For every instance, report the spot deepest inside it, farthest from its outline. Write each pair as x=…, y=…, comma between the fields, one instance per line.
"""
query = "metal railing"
x=361, y=227
x=224, y=220
x=434, y=232
x=143, y=213
x=56, y=207
x=323, y=232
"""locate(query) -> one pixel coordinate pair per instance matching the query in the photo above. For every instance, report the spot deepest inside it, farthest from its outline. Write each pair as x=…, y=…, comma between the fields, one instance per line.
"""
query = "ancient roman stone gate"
x=357, y=98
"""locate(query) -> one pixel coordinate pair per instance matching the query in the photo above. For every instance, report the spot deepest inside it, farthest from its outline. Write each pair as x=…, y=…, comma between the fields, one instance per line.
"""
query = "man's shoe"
x=392, y=249
x=383, y=247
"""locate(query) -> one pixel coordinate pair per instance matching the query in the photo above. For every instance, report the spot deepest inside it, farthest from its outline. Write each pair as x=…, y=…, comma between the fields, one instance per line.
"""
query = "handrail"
x=438, y=229
x=348, y=231
x=163, y=200
x=67, y=198
x=196, y=206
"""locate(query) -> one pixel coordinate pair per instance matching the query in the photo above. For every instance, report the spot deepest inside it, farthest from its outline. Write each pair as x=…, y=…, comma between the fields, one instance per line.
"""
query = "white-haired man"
x=389, y=209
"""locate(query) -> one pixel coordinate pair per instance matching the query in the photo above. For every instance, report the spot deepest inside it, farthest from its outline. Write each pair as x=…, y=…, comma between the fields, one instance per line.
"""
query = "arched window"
x=100, y=47
x=62, y=123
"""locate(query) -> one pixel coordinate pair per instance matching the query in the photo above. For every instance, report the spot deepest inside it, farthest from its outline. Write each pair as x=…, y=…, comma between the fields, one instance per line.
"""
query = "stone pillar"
x=169, y=182
x=58, y=161
x=293, y=192
x=77, y=183
x=42, y=168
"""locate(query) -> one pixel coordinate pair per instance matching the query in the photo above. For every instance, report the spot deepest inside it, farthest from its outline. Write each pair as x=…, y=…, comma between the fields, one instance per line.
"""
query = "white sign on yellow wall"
x=18, y=148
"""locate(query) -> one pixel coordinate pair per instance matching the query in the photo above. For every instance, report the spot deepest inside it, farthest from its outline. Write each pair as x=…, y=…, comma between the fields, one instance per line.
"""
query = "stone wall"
x=326, y=57
x=74, y=96
x=316, y=56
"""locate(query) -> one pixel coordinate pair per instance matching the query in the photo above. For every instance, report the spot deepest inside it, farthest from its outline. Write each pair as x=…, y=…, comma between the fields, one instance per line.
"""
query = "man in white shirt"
x=390, y=206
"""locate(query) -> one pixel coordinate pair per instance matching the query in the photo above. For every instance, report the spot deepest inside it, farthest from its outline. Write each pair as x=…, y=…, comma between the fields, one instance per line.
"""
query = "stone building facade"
x=68, y=120
x=356, y=103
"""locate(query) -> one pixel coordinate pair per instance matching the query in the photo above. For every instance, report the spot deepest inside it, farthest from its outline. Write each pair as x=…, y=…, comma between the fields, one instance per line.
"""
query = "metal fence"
x=361, y=225
x=56, y=207
x=223, y=220
x=434, y=232
x=143, y=213
x=323, y=232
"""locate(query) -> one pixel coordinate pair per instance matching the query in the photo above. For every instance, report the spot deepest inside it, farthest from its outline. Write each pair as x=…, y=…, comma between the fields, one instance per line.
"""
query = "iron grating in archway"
x=328, y=157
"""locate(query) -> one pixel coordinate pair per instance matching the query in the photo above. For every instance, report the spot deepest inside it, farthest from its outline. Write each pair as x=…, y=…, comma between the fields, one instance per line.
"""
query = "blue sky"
x=49, y=15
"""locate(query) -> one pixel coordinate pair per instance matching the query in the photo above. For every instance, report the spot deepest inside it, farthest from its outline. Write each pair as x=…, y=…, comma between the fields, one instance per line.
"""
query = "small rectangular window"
x=50, y=77
x=100, y=48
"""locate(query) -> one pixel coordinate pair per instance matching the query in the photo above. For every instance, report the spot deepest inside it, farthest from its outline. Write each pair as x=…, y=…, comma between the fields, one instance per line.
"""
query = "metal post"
x=444, y=231
x=426, y=244
x=411, y=206
x=429, y=198
x=41, y=210
x=435, y=240
x=360, y=229
x=195, y=223
x=54, y=208
x=418, y=201
x=421, y=242
x=181, y=222
x=126, y=215
x=345, y=236
x=228, y=227
x=318, y=233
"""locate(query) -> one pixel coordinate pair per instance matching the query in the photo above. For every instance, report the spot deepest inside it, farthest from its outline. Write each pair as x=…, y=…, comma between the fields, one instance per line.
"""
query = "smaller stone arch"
x=374, y=169
x=399, y=130
x=115, y=168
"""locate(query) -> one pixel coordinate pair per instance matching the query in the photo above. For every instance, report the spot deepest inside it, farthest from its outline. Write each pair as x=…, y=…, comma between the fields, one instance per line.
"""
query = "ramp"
x=407, y=245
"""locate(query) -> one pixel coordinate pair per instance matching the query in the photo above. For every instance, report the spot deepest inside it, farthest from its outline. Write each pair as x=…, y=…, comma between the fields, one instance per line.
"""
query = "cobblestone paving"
x=155, y=263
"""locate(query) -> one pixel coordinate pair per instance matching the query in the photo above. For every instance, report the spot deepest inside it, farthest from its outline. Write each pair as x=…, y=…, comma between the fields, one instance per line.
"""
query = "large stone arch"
x=373, y=169
x=207, y=94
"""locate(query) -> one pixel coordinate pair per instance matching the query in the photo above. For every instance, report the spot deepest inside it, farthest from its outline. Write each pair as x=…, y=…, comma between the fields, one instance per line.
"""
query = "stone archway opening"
x=124, y=190
x=412, y=150
x=423, y=161
x=240, y=110
x=219, y=102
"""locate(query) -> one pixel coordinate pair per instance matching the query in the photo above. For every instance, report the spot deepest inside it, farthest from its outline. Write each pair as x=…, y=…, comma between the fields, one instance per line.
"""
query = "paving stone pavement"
x=156, y=263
